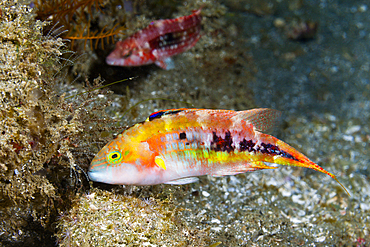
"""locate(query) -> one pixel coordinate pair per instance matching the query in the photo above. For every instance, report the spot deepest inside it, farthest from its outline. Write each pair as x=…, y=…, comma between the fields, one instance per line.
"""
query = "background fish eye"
x=129, y=53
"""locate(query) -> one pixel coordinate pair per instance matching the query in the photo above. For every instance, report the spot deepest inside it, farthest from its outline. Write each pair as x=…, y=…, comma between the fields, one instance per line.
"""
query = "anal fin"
x=179, y=181
x=250, y=167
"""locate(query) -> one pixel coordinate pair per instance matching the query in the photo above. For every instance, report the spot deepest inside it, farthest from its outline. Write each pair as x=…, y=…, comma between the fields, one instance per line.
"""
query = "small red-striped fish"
x=158, y=42
x=175, y=146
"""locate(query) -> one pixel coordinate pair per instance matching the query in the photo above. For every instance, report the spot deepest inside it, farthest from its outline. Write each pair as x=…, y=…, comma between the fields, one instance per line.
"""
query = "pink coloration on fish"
x=158, y=42
x=176, y=146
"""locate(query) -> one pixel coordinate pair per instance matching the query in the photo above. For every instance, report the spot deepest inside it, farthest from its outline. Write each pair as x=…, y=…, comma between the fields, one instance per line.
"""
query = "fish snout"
x=114, y=58
x=119, y=54
x=123, y=173
x=96, y=176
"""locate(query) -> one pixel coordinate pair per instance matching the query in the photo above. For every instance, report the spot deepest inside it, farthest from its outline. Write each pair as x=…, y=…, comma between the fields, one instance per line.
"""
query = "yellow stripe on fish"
x=177, y=145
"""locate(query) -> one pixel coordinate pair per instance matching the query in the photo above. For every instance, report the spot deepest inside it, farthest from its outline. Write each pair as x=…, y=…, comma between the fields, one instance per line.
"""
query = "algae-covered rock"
x=27, y=60
x=103, y=218
x=40, y=132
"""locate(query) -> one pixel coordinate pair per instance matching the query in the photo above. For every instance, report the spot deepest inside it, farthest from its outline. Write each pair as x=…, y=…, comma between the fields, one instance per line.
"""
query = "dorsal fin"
x=161, y=113
x=262, y=119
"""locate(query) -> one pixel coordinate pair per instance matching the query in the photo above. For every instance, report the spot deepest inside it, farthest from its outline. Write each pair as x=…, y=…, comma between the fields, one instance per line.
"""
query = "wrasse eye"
x=127, y=54
x=114, y=157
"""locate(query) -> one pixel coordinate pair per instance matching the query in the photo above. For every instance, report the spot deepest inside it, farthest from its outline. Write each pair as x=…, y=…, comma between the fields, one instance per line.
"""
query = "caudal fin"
x=291, y=157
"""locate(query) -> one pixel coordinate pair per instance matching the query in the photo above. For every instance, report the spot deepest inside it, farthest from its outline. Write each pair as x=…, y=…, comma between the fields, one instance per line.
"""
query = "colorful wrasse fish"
x=175, y=146
x=158, y=42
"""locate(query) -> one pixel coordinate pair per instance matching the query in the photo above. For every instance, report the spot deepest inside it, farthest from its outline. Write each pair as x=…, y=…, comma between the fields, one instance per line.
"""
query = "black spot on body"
x=265, y=148
x=269, y=149
x=182, y=136
x=166, y=40
x=284, y=154
x=174, y=38
x=222, y=144
x=246, y=145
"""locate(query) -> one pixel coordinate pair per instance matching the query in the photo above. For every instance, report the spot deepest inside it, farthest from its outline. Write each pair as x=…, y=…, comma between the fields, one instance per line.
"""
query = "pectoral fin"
x=166, y=64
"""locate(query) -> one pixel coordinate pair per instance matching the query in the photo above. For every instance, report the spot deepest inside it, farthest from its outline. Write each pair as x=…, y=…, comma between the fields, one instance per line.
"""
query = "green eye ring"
x=114, y=157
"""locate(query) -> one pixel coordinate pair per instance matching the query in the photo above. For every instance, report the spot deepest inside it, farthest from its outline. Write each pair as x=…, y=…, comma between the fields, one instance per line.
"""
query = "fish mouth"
x=97, y=176
x=117, y=57
x=114, y=59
